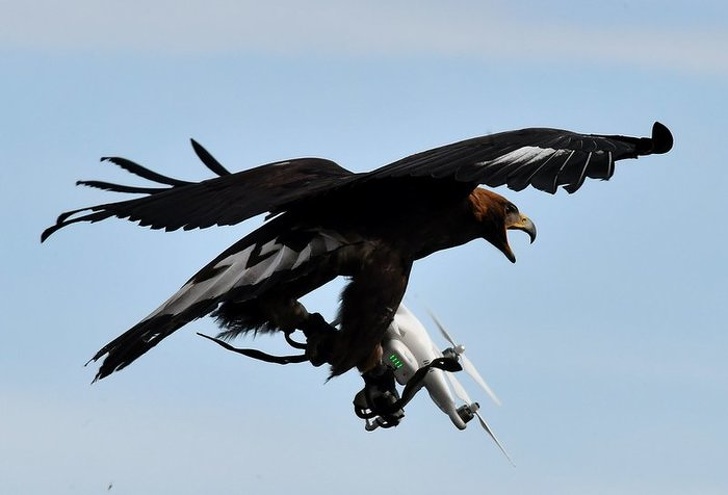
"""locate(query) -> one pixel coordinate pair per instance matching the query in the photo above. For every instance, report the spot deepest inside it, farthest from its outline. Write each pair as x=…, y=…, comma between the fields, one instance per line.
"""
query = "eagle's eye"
x=511, y=208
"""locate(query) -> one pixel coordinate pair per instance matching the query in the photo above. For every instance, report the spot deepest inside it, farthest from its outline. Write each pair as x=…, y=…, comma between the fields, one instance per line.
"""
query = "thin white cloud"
x=394, y=28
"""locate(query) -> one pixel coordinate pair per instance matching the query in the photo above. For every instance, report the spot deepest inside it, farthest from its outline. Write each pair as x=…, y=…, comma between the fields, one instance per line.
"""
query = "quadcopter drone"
x=413, y=361
x=416, y=362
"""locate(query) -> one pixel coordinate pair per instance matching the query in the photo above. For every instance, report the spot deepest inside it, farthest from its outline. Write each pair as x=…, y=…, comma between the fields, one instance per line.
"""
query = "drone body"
x=412, y=359
x=409, y=350
x=408, y=347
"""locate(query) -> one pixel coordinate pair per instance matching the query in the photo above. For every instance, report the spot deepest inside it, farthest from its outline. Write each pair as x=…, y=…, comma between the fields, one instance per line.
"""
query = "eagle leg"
x=368, y=304
x=320, y=337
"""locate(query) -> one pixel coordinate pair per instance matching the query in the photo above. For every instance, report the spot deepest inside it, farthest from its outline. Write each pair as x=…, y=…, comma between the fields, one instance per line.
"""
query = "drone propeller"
x=487, y=428
x=468, y=366
x=474, y=407
x=458, y=389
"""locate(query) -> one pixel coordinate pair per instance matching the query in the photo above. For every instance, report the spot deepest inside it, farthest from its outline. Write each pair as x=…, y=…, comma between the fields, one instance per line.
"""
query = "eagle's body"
x=330, y=222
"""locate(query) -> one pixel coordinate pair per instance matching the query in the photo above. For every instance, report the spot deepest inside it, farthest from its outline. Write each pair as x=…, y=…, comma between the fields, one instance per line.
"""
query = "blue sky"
x=605, y=341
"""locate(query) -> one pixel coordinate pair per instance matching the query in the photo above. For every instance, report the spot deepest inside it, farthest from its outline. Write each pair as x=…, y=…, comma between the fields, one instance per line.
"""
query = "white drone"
x=413, y=360
x=410, y=352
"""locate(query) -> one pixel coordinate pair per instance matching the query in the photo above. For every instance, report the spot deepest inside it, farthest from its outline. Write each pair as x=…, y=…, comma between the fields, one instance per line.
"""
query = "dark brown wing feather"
x=225, y=200
x=542, y=158
x=539, y=157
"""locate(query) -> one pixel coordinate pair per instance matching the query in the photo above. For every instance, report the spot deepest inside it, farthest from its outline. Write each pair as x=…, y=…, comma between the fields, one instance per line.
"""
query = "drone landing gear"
x=380, y=404
x=378, y=401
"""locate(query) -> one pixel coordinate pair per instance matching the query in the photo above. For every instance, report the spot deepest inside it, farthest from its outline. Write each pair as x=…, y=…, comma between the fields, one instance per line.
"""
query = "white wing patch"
x=561, y=169
x=582, y=175
x=242, y=268
x=610, y=164
x=523, y=156
x=532, y=160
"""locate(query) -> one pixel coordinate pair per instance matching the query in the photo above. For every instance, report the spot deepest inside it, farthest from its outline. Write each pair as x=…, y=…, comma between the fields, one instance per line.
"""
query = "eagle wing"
x=224, y=200
x=542, y=158
x=539, y=157
x=275, y=255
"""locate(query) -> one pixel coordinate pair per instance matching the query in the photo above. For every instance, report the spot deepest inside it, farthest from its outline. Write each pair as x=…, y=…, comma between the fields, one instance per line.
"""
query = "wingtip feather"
x=209, y=160
x=46, y=233
x=662, y=140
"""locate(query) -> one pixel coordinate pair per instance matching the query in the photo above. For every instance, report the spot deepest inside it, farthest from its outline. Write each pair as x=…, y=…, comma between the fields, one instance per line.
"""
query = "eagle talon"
x=381, y=396
x=320, y=337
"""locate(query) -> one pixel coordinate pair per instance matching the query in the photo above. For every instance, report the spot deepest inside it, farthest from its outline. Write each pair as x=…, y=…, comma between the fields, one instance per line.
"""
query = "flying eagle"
x=325, y=221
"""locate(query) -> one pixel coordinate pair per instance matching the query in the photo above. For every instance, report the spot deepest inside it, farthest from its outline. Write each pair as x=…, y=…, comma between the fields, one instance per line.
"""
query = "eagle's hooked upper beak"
x=525, y=224
x=519, y=222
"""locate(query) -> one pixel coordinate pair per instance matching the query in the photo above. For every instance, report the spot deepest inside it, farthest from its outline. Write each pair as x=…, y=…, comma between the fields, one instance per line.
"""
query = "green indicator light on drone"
x=396, y=362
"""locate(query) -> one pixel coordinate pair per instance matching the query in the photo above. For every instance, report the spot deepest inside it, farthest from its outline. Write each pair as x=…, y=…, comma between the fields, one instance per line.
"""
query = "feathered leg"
x=279, y=314
x=368, y=304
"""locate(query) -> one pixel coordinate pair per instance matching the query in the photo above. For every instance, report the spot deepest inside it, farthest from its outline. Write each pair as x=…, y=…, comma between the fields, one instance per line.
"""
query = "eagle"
x=324, y=221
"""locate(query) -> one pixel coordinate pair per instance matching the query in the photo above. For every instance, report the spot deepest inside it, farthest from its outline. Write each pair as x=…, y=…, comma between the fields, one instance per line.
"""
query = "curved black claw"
x=320, y=337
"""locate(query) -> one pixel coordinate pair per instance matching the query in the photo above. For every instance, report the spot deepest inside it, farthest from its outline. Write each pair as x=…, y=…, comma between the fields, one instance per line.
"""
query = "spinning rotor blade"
x=485, y=426
x=470, y=369
x=459, y=390
x=441, y=327
x=468, y=365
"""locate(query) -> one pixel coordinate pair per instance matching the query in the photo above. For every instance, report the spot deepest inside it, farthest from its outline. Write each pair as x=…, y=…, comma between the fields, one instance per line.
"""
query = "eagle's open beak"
x=525, y=224
x=521, y=222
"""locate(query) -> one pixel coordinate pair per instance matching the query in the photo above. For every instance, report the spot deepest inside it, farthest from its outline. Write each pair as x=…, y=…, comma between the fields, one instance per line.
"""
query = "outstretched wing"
x=275, y=255
x=542, y=158
x=224, y=200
